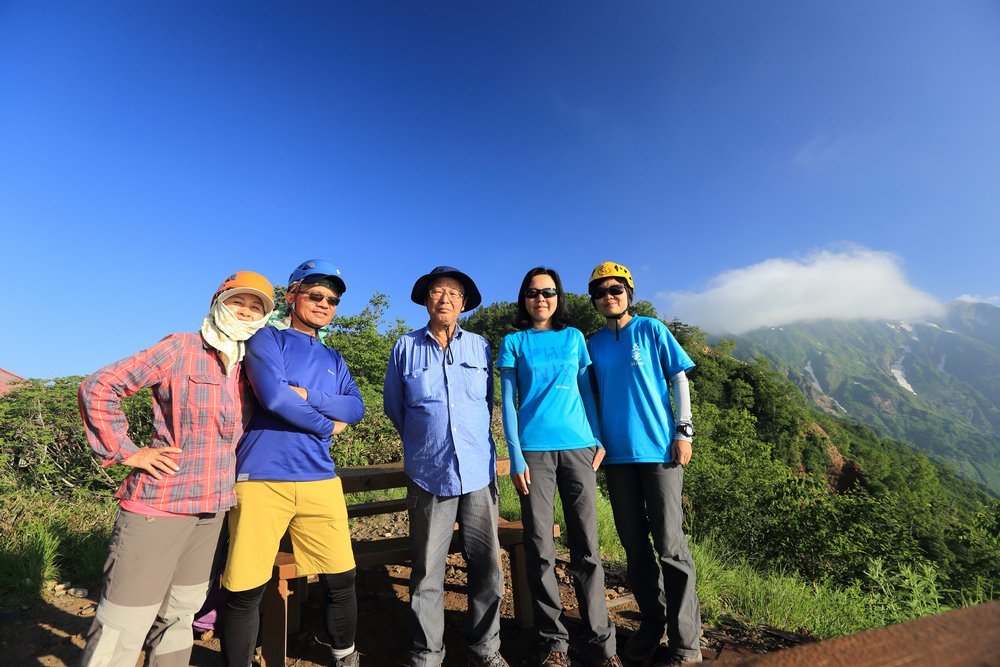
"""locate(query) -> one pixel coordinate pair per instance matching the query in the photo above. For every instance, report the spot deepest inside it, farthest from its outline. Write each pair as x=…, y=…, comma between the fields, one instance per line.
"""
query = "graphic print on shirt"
x=637, y=355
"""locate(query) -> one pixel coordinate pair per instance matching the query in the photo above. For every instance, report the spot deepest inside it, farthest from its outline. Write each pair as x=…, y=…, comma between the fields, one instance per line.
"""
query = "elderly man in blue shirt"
x=439, y=395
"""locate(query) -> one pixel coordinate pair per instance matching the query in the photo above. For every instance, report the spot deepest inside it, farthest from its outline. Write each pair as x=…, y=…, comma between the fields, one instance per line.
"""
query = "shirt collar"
x=457, y=334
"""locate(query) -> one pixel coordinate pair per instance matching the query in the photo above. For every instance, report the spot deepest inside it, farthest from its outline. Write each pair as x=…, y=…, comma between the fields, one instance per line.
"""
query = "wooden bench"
x=280, y=606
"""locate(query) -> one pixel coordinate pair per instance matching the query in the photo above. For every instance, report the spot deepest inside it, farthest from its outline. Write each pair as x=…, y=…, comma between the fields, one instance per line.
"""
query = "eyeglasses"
x=547, y=292
x=439, y=293
x=317, y=297
x=601, y=292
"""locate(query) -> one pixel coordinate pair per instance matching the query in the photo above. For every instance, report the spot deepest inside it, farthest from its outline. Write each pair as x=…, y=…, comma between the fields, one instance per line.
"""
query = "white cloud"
x=854, y=284
x=975, y=298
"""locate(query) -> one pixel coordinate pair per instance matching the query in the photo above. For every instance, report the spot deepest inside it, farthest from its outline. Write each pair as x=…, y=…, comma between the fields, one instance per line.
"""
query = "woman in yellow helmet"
x=173, y=501
x=637, y=362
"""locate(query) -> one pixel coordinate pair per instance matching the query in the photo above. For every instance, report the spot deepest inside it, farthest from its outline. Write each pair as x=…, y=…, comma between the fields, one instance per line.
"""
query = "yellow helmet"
x=611, y=270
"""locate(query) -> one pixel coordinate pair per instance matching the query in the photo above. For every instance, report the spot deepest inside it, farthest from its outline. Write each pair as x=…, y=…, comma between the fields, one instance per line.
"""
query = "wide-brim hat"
x=472, y=296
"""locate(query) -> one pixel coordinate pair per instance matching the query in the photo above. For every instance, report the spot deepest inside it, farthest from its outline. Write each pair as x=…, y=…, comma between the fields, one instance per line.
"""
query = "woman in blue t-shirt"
x=552, y=444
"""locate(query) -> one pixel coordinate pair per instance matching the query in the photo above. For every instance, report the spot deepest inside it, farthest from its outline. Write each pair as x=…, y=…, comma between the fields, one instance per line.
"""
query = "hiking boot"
x=678, y=659
x=352, y=660
x=554, y=659
x=643, y=643
x=491, y=660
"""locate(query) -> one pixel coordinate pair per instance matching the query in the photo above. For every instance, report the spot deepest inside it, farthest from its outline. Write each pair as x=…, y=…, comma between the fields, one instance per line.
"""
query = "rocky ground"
x=48, y=632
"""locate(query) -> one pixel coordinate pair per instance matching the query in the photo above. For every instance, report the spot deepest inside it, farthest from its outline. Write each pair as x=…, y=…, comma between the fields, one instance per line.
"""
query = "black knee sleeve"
x=240, y=623
x=341, y=607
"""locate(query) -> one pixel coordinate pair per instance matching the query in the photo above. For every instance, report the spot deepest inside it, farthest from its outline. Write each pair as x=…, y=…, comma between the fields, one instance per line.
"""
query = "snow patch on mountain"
x=812, y=376
x=897, y=370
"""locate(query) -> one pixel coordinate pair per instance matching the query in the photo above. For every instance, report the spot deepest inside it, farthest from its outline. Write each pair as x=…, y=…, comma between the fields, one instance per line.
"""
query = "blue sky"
x=149, y=149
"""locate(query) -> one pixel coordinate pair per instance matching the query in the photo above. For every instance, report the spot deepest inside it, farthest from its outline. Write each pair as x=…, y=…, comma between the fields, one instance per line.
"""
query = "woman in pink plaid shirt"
x=173, y=502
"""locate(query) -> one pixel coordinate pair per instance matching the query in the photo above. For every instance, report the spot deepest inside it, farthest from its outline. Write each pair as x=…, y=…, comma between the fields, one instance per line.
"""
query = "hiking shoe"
x=643, y=643
x=554, y=659
x=491, y=660
x=352, y=660
x=678, y=659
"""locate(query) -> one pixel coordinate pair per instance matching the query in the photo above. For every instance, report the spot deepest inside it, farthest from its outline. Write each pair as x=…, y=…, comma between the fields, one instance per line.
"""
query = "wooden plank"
x=388, y=476
x=372, y=478
x=959, y=637
x=284, y=566
x=274, y=627
x=524, y=615
x=376, y=507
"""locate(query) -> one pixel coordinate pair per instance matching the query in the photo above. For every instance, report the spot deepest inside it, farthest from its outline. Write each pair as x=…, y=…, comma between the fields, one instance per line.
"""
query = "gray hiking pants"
x=432, y=522
x=646, y=499
x=571, y=472
x=155, y=580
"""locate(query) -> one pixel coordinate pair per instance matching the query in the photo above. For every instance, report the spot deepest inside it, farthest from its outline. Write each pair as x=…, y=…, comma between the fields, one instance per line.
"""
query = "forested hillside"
x=783, y=486
x=935, y=385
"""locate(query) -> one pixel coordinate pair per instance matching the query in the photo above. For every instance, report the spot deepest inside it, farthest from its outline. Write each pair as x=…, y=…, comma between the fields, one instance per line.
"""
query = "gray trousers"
x=646, y=499
x=572, y=473
x=155, y=580
x=432, y=521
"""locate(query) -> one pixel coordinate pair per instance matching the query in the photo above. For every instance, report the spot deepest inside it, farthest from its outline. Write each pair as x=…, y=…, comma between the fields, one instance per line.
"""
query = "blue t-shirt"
x=633, y=385
x=551, y=414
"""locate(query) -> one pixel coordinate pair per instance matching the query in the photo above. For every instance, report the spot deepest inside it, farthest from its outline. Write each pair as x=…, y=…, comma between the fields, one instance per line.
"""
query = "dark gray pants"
x=572, y=473
x=432, y=521
x=646, y=499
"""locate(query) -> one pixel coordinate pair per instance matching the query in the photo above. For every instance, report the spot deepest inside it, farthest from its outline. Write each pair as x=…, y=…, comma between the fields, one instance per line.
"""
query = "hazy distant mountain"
x=933, y=384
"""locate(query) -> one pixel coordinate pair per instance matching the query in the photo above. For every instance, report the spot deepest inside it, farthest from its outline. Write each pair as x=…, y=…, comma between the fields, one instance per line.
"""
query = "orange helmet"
x=246, y=282
x=611, y=270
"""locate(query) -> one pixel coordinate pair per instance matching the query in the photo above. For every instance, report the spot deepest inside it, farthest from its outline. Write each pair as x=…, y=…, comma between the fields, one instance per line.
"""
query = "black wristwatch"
x=685, y=429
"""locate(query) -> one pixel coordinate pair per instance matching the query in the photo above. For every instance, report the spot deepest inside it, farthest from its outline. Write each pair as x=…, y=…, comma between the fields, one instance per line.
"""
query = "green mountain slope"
x=933, y=384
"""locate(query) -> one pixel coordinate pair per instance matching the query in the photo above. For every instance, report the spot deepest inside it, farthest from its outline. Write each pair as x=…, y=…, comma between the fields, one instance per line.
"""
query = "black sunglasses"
x=316, y=297
x=547, y=292
x=601, y=292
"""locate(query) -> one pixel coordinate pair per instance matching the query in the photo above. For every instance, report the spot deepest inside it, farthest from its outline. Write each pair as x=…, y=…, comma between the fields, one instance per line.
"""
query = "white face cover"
x=225, y=332
x=231, y=326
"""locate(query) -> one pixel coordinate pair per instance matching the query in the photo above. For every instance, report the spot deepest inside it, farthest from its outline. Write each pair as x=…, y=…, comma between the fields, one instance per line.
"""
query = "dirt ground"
x=48, y=632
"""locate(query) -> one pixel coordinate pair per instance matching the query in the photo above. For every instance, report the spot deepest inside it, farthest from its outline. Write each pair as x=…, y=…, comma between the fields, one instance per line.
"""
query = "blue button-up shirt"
x=441, y=405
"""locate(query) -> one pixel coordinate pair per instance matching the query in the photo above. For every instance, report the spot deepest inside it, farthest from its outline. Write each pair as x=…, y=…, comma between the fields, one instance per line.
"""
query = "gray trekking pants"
x=571, y=472
x=432, y=522
x=646, y=499
x=155, y=579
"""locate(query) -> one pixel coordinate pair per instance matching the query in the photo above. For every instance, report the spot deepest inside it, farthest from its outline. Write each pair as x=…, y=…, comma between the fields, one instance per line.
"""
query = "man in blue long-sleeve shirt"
x=439, y=395
x=285, y=478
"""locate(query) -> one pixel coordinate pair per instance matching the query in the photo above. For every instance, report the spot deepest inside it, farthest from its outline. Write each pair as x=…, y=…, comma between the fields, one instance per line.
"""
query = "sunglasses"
x=547, y=292
x=316, y=297
x=601, y=292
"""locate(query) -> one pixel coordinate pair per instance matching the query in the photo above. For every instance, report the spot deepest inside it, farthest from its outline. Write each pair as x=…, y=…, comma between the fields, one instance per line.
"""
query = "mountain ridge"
x=932, y=384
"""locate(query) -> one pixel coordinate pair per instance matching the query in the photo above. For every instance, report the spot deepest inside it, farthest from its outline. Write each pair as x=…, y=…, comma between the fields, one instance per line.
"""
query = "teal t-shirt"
x=551, y=415
x=633, y=386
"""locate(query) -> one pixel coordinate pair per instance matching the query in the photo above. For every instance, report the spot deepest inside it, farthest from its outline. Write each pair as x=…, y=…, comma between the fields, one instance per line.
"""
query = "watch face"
x=685, y=430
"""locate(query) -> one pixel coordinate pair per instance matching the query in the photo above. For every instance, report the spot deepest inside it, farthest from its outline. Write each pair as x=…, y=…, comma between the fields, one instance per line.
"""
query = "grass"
x=45, y=537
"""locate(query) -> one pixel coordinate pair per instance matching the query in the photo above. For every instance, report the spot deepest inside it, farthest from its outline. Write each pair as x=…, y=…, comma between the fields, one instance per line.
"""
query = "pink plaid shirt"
x=193, y=409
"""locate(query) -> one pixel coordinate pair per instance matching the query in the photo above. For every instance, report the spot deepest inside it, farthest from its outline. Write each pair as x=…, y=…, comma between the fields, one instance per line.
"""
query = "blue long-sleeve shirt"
x=442, y=410
x=289, y=438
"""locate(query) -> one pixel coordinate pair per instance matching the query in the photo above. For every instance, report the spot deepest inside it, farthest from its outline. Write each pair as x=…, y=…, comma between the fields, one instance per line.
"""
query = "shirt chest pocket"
x=417, y=386
x=475, y=377
x=204, y=401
